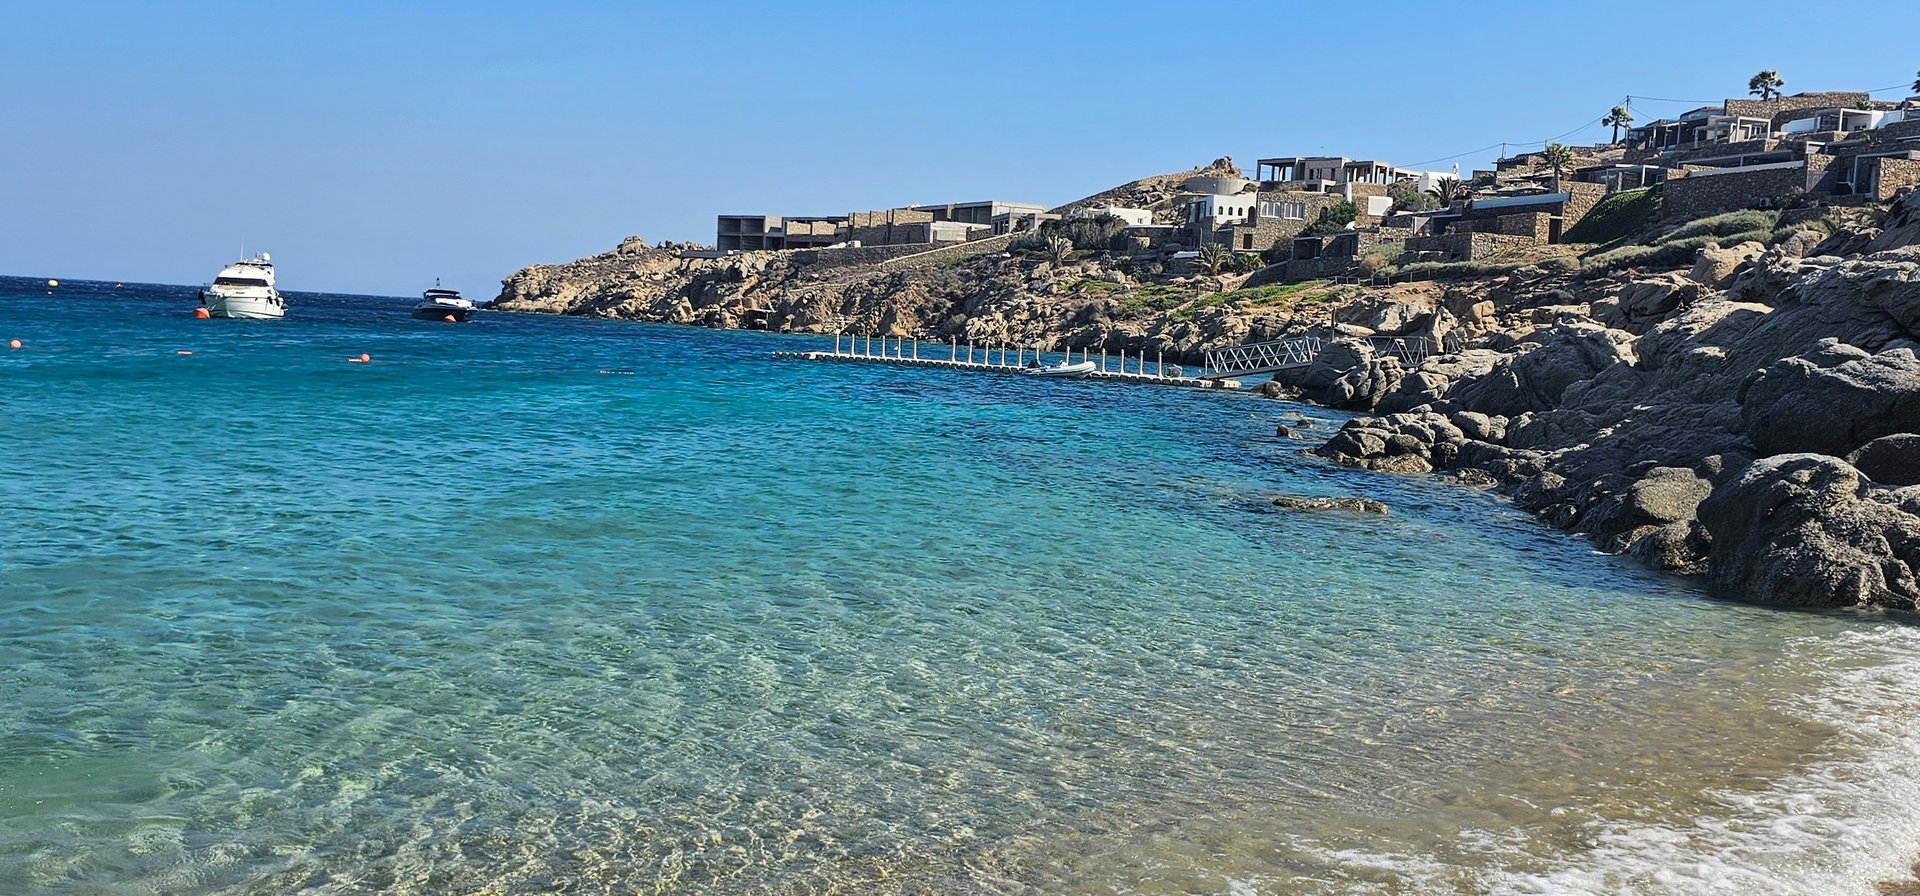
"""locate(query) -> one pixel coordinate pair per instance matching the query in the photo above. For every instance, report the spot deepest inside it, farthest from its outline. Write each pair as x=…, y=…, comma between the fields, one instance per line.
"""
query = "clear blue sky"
x=373, y=146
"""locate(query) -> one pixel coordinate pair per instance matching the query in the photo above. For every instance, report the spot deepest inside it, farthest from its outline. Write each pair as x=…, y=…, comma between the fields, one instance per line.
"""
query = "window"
x=238, y=281
x=1293, y=211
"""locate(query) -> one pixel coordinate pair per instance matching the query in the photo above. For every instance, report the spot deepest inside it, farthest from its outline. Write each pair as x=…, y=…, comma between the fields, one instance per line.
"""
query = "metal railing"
x=1289, y=354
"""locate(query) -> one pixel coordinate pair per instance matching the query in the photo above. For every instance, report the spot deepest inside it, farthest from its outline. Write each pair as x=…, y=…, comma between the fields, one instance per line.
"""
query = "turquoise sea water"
x=540, y=605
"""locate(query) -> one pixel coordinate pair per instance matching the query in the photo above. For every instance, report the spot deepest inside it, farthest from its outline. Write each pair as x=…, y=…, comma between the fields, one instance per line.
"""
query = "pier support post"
x=916, y=348
x=953, y=349
x=1159, y=367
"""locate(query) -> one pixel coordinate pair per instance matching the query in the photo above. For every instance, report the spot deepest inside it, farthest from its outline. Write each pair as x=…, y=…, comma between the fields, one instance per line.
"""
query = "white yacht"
x=443, y=304
x=245, y=289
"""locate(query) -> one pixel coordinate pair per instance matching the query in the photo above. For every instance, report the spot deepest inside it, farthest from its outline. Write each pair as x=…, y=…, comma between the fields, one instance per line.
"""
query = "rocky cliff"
x=1753, y=418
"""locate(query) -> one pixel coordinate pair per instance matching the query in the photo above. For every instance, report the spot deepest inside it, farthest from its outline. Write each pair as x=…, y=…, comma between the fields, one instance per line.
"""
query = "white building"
x=1135, y=217
x=1221, y=209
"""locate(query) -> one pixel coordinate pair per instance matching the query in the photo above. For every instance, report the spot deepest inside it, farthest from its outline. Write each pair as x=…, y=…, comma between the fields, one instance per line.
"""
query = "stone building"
x=752, y=233
x=982, y=212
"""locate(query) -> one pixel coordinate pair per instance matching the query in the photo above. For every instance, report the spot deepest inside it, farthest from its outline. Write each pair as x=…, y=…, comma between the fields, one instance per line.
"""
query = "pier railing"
x=997, y=357
x=1289, y=354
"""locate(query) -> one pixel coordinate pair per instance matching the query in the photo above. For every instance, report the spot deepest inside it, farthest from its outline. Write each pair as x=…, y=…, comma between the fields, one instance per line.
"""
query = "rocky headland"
x=1748, y=412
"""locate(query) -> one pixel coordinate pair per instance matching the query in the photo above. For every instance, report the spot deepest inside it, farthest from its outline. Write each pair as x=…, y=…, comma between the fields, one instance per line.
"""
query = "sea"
x=538, y=604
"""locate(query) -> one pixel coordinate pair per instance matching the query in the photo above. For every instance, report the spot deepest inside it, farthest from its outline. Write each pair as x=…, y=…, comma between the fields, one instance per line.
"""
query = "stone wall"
x=1895, y=175
x=1581, y=199
x=1700, y=195
x=948, y=254
x=1318, y=268
x=1464, y=245
x=1899, y=129
x=853, y=255
x=1779, y=109
x=889, y=227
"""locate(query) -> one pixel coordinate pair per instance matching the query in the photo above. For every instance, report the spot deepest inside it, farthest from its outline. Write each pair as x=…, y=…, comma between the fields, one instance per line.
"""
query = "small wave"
x=1836, y=827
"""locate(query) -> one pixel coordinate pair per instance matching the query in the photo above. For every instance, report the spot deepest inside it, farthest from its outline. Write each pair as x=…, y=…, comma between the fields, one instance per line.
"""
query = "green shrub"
x=1272, y=293
x=1617, y=217
x=1450, y=270
x=1559, y=264
x=1740, y=222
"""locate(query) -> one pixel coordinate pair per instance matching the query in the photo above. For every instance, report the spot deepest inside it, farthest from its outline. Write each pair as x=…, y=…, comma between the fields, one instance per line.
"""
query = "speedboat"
x=1079, y=371
x=441, y=304
x=245, y=289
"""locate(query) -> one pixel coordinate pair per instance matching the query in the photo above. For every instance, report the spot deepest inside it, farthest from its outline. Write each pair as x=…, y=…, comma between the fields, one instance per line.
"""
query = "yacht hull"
x=245, y=307
x=442, y=312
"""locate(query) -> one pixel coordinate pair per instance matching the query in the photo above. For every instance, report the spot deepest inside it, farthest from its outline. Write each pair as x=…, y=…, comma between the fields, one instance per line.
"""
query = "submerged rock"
x=1349, y=505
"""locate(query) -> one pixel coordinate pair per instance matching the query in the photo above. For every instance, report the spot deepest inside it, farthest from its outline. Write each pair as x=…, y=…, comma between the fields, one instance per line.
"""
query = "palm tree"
x=1618, y=118
x=1916, y=82
x=1059, y=248
x=1214, y=257
x=1765, y=85
x=1448, y=188
x=1559, y=157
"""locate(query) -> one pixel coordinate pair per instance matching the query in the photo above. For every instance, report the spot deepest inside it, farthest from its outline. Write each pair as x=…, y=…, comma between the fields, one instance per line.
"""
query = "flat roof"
x=980, y=202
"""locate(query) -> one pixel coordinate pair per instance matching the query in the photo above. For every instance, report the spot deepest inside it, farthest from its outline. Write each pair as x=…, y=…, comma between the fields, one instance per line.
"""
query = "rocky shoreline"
x=1753, y=417
x=1760, y=431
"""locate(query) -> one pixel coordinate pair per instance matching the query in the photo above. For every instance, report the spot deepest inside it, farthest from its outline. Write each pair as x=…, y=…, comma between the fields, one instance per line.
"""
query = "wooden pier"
x=1003, y=359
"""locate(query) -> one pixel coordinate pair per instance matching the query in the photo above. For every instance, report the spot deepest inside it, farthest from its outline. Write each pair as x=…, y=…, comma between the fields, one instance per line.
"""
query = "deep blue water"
x=539, y=604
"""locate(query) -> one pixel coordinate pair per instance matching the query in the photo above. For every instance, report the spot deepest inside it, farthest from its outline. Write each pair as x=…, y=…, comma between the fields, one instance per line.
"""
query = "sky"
x=374, y=147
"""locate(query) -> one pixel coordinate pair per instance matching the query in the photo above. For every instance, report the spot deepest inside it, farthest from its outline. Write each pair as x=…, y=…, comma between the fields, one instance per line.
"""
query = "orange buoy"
x=450, y=319
x=13, y=344
x=364, y=358
x=201, y=314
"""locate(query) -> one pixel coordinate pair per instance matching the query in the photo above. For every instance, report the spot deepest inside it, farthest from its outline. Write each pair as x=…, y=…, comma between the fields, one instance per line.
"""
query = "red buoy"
x=201, y=314
x=451, y=319
x=13, y=343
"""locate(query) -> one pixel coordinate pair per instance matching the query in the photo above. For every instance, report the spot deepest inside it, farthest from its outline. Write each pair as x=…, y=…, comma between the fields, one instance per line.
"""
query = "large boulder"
x=1714, y=266
x=1805, y=530
x=1890, y=460
x=1348, y=373
x=1832, y=401
x=1429, y=382
x=1902, y=227
x=1536, y=380
x=1657, y=297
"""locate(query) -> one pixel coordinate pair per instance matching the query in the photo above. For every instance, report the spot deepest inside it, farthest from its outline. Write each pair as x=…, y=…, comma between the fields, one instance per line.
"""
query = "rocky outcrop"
x=1712, y=441
x=1831, y=400
x=1807, y=530
x=1349, y=374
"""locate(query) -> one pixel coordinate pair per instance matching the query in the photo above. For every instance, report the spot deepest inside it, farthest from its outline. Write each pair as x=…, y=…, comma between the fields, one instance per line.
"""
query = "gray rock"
x=1347, y=373
x=1535, y=381
x=1810, y=404
x=1890, y=460
x=1804, y=530
x=1666, y=495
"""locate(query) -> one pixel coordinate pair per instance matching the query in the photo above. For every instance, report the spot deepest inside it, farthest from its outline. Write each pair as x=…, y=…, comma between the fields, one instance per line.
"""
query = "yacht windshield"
x=239, y=281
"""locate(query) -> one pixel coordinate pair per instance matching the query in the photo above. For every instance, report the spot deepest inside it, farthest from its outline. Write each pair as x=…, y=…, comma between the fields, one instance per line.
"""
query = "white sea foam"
x=1837, y=827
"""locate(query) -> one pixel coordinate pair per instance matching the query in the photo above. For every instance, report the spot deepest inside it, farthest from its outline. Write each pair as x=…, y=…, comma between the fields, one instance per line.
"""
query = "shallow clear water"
x=547, y=605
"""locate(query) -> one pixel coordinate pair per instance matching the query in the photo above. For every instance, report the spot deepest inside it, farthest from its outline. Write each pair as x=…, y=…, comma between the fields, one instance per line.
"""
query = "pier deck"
x=911, y=353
